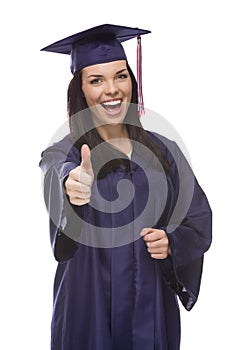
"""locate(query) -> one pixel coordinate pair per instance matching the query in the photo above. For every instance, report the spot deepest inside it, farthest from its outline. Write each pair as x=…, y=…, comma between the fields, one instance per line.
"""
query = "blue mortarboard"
x=99, y=44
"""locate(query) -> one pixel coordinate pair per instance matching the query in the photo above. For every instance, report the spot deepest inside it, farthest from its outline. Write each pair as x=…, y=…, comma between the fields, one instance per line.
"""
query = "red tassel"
x=139, y=78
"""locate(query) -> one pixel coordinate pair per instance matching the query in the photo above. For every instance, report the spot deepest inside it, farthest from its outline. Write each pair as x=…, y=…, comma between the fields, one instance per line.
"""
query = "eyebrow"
x=100, y=75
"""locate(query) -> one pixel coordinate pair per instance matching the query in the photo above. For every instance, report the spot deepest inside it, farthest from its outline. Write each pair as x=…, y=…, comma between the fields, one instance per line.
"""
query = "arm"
x=188, y=242
x=56, y=163
x=187, y=223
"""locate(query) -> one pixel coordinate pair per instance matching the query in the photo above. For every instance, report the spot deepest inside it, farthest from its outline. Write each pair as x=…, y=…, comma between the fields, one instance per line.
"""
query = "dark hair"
x=83, y=129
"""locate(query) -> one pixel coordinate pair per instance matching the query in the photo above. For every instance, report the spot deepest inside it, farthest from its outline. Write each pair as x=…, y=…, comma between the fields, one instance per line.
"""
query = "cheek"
x=89, y=96
x=87, y=92
x=92, y=95
x=128, y=91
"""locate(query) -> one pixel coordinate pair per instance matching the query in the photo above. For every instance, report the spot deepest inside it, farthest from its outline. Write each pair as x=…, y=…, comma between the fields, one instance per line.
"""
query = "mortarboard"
x=100, y=44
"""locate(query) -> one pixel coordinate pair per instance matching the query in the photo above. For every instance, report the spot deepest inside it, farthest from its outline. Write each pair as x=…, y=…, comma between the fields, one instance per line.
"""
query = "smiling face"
x=107, y=88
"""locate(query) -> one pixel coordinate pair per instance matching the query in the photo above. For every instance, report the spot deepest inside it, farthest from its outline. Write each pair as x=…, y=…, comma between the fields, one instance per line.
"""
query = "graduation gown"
x=109, y=294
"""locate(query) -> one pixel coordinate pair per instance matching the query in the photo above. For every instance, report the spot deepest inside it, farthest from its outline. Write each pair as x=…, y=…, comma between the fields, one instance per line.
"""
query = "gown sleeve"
x=56, y=163
x=187, y=222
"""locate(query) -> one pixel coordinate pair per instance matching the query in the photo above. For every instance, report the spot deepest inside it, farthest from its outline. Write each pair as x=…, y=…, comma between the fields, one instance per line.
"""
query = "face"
x=107, y=88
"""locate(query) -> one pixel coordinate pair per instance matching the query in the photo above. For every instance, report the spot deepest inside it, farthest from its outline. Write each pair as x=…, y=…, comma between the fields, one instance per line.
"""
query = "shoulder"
x=63, y=146
x=179, y=161
x=168, y=147
x=159, y=138
x=58, y=153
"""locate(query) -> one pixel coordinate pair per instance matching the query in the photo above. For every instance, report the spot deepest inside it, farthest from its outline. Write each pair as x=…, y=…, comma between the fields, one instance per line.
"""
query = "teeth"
x=112, y=103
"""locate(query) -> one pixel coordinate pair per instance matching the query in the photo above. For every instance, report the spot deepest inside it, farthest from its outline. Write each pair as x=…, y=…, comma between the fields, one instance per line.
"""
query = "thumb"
x=86, y=158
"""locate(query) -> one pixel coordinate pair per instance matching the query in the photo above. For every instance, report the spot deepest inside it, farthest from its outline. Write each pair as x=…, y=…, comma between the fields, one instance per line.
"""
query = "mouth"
x=112, y=107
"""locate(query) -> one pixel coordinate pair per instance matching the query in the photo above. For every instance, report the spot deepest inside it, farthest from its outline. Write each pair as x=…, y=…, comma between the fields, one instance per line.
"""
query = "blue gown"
x=109, y=294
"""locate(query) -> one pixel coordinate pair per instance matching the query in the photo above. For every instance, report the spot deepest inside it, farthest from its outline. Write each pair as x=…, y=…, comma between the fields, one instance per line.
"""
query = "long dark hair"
x=83, y=130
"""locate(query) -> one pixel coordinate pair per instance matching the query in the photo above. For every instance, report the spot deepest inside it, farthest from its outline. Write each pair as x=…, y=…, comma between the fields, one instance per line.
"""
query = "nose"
x=111, y=88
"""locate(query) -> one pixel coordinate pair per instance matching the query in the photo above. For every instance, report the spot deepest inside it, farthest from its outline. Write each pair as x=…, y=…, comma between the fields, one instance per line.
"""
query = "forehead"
x=105, y=68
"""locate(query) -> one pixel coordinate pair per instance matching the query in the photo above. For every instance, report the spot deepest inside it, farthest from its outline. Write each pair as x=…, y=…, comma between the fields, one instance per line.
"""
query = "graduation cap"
x=101, y=44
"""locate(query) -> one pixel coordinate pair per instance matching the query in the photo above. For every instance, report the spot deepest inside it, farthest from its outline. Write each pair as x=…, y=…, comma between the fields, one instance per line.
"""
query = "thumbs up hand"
x=79, y=182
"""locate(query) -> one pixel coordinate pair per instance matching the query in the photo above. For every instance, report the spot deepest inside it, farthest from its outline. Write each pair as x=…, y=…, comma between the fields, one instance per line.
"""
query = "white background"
x=189, y=79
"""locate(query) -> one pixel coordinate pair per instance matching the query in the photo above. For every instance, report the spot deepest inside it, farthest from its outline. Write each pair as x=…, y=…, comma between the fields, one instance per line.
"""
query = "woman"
x=129, y=223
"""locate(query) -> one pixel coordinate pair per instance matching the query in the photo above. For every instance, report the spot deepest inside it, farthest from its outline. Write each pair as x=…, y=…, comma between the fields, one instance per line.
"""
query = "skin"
x=107, y=83
x=79, y=182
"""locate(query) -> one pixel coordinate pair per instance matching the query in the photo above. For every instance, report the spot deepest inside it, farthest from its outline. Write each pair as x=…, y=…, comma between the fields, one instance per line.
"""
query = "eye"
x=95, y=81
x=122, y=76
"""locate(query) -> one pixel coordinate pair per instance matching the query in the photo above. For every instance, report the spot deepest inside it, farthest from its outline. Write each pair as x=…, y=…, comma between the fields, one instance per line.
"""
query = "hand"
x=79, y=182
x=157, y=242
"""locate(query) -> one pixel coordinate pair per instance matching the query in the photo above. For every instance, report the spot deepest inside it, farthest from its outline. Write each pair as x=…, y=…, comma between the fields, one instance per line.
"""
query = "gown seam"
x=111, y=269
x=133, y=269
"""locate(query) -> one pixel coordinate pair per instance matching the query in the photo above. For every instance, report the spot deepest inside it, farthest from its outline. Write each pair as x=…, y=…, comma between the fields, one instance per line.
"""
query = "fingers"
x=76, y=187
x=152, y=234
x=79, y=192
x=159, y=256
x=79, y=197
x=146, y=231
x=79, y=200
x=86, y=159
x=156, y=242
x=80, y=176
x=79, y=182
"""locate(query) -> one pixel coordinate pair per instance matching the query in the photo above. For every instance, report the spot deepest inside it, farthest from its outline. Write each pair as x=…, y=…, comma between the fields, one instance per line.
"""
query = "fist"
x=79, y=182
x=157, y=242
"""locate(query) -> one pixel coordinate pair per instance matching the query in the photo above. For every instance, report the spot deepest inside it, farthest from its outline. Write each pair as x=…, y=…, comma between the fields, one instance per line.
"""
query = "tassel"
x=139, y=77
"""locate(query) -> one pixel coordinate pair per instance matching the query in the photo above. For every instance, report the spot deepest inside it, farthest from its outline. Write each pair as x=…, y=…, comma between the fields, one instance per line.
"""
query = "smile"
x=113, y=106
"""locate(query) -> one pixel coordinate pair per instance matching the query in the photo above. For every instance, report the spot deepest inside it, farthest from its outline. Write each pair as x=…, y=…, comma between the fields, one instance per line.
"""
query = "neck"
x=110, y=132
x=116, y=135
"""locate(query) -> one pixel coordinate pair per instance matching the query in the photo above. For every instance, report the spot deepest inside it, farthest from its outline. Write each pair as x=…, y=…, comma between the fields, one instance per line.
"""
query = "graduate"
x=129, y=223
